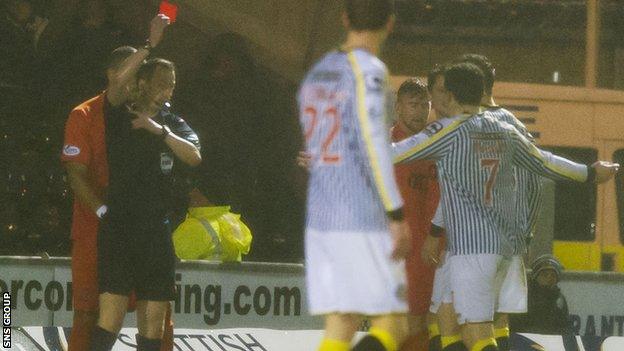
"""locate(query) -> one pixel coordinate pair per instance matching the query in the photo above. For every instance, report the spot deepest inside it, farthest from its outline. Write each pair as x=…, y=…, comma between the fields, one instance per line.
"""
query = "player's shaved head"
x=118, y=56
x=368, y=14
x=465, y=82
x=484, y=64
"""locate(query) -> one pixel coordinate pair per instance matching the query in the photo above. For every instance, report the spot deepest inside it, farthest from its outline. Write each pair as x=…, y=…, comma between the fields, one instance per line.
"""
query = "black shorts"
x=136, y=256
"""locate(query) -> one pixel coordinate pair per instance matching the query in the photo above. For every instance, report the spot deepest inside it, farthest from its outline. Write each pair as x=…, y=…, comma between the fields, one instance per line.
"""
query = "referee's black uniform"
x=135, y=250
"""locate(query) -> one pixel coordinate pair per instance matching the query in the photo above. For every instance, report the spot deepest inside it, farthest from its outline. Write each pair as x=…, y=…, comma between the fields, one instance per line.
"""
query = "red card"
x=168, y=9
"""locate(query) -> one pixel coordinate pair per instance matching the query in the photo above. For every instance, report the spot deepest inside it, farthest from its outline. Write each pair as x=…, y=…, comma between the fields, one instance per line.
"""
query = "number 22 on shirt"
x=327, y=122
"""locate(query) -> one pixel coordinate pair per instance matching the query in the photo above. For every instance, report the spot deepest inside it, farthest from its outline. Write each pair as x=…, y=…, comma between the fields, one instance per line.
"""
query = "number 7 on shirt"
x=490, y=164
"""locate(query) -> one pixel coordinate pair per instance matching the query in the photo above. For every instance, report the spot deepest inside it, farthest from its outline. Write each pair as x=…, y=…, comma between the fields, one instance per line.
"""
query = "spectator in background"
x=231, y=103
x=226, y=106
x=78, y=59
x=547, y=307
x=19, y=27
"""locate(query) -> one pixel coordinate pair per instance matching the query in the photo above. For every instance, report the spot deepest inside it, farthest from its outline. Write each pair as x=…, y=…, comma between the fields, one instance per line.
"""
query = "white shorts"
x=512, y=297
x=441, y=286
x=352, y=272
x=475, y=283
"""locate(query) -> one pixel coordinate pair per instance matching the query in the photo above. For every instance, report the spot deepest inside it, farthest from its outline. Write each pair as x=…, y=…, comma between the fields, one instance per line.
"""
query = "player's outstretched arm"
x=605, y=170
x=556, y=167
x=433, y=142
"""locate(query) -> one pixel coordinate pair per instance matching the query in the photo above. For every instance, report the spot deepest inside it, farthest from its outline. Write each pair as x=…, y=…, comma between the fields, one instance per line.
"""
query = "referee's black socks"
x=102, y=340
x=145, y=344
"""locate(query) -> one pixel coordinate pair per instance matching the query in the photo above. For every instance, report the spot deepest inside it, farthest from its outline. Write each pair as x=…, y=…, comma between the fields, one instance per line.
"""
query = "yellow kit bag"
x=212, y=233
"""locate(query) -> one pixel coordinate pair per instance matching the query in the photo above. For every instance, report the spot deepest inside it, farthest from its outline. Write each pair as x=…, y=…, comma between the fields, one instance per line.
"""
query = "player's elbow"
x=195, y=159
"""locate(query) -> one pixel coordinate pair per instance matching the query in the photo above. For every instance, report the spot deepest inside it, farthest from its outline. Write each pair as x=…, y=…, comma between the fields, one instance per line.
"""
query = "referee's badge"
x=166, y=163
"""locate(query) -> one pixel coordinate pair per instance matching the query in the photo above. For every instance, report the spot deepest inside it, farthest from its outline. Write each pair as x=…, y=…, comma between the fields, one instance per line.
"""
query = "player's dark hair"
x=147, y=69
x=436, y=71
x=368, y=14
x=412, y=87
x=489, y=72
x=465, y=82
x=118, y=56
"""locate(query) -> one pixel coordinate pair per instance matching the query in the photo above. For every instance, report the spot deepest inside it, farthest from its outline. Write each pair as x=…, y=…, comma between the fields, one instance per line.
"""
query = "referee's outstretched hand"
x=401, y=240
x=605, y=170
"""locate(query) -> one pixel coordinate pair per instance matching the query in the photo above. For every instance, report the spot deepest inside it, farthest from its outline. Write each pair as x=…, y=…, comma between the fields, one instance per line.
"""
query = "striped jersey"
x=344, y=104
x=476, y=159
x=529, y=200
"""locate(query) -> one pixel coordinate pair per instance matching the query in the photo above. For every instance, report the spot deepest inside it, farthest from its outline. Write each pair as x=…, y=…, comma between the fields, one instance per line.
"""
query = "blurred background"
x=239, y=65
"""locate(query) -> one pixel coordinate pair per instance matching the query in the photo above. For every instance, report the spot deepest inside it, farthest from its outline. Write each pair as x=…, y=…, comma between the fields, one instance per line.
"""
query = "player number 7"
x=492, y=165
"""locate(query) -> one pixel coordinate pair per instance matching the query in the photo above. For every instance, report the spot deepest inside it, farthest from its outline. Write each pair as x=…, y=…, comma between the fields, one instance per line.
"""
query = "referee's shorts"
x=136, y=255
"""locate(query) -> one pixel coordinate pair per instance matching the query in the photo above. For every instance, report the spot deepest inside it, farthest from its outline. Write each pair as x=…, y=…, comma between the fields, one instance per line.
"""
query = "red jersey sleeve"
x=76, y=146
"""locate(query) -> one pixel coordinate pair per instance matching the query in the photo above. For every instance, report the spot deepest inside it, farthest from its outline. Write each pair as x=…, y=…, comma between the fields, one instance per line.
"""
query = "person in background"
x=547, y=306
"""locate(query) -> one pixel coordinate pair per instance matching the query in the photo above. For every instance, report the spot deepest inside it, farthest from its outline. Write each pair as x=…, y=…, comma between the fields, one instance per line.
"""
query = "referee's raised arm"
x=119, y=78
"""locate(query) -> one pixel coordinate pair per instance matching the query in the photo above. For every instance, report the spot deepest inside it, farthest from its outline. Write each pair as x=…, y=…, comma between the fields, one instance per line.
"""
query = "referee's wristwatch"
x=148, y=46
x=165, y=131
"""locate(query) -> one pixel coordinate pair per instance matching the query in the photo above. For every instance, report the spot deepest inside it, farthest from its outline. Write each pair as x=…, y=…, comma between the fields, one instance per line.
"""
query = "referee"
x=135, y=252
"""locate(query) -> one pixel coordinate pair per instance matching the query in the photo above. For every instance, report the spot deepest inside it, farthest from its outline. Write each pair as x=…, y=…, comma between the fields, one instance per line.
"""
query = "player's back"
x=528, y=186
x=341, y=190
x=478, y=177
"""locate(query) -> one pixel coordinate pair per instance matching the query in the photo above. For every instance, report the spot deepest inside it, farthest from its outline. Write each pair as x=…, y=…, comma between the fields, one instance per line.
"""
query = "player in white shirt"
x=356, y=239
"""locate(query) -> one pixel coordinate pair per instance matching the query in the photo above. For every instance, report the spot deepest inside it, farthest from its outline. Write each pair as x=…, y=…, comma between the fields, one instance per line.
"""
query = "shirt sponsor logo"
x=433, y=128
x=166, y=162
x=71, y=150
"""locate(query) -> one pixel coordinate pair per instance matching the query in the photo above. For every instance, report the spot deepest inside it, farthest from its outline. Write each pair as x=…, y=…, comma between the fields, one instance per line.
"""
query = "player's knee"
x=341, y=327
